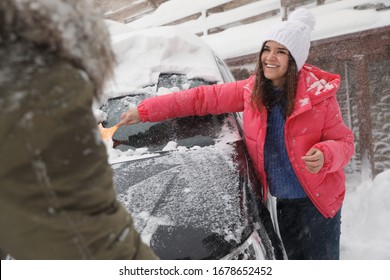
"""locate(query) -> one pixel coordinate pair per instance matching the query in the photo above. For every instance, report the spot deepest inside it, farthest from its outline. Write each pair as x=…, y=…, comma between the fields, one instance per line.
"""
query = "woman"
x=293, y=130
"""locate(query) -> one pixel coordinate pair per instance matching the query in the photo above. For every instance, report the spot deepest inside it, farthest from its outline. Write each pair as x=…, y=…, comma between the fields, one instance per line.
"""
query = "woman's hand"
x=129, y=117
x=314, y=160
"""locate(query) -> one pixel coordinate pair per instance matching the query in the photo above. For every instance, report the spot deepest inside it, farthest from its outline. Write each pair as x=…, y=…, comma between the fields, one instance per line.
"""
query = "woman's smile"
x=275, y=62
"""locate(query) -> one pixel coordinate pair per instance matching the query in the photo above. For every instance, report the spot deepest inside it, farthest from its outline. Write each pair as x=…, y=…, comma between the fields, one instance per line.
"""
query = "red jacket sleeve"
x=337, y=139
x=199, y=101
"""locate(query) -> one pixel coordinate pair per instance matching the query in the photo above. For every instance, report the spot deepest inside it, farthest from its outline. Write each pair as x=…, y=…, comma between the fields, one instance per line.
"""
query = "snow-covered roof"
x=174, y=10
x=333, y=19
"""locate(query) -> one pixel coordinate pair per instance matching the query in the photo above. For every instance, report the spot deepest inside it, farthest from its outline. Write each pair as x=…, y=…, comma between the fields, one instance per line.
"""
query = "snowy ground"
x=365, y=230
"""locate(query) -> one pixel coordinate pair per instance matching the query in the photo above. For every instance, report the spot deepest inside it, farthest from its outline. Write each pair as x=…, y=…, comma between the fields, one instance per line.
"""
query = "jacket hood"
x=314, y=86
x=72, y=28
x=317, y=84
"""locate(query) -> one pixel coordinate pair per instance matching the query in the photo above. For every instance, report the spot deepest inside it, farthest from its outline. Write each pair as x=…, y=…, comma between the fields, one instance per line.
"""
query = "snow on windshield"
x=227, y=135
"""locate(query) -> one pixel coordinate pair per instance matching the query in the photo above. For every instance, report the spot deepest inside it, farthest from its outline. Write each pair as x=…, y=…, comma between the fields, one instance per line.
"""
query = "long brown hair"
x=262, y=94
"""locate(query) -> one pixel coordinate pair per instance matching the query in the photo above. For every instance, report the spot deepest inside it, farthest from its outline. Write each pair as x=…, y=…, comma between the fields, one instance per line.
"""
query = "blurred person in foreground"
x=57, y=199
x=293, y=130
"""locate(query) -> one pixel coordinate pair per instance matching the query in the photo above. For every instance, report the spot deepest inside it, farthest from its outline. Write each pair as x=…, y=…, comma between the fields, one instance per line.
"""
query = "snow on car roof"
x=143, y=55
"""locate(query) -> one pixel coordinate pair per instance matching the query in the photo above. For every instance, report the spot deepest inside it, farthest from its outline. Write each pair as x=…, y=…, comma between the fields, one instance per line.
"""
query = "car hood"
x=183, y=201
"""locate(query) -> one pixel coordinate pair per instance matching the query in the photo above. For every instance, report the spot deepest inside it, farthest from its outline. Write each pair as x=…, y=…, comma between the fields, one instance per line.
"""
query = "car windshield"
x=187, y=132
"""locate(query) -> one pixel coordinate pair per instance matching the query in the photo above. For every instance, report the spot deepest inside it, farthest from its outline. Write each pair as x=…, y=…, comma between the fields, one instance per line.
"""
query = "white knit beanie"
x=294, y=34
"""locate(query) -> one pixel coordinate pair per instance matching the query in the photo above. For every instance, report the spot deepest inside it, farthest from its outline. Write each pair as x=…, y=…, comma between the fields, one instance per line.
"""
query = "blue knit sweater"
x=282, y=181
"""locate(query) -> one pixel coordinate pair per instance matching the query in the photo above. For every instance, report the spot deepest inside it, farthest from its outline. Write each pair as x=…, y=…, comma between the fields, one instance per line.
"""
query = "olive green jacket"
x=57, y=199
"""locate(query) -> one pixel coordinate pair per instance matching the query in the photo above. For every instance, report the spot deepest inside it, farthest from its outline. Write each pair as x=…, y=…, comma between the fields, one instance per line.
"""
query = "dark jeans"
x=306, y=234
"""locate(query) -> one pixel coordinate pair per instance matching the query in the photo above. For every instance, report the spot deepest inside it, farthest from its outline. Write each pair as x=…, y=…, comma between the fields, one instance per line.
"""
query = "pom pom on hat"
x=294, y=34
x=304, y=16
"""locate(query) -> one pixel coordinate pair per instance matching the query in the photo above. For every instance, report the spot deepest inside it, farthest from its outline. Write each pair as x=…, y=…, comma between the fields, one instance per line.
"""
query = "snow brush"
x=107, y=133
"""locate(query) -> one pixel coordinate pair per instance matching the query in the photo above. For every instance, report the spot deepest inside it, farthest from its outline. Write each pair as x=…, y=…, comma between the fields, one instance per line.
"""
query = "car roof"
x=143, y=55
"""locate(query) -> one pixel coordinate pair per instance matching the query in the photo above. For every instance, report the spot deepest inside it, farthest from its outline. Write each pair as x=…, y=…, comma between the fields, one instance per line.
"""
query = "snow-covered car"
x=188, y=182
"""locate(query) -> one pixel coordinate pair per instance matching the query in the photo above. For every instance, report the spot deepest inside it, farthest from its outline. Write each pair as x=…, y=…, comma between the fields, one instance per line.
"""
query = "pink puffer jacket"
x=316, y=122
